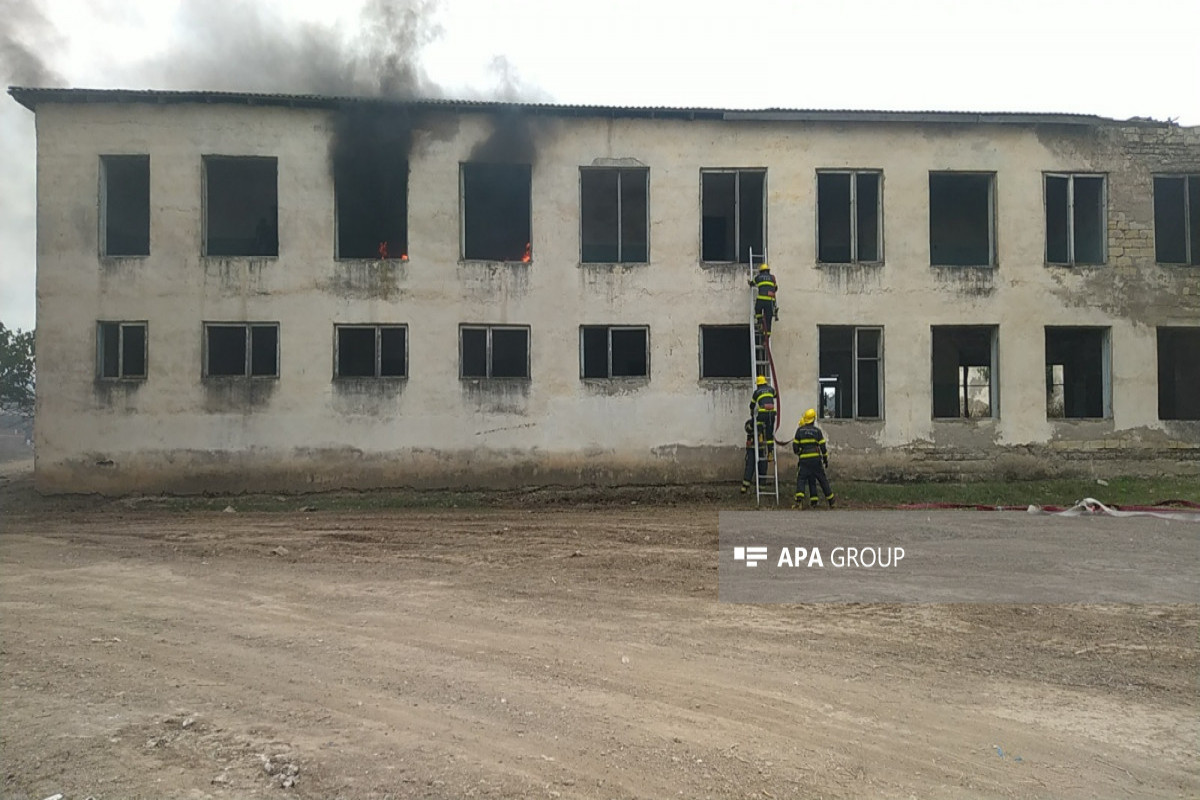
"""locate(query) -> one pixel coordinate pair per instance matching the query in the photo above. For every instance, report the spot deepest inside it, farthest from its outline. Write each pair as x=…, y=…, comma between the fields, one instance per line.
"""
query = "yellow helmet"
x=810, y=417
x=761, y=380
x=763, y=267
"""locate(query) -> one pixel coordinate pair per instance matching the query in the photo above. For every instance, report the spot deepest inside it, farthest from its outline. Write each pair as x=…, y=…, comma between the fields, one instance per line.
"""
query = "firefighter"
x=809, y=445
x=762, y=406
x=764, y=300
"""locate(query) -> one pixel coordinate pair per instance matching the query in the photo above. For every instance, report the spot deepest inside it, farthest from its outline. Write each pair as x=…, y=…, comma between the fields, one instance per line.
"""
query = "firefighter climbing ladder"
x=766, y=483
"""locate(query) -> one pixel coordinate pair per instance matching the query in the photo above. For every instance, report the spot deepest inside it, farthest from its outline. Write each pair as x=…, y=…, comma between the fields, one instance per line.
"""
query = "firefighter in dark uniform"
x=809, y=445
x=764, y=299
x=762, y=406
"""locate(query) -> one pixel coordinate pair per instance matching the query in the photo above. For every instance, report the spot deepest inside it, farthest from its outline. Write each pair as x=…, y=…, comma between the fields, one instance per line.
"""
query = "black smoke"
x=24, y=35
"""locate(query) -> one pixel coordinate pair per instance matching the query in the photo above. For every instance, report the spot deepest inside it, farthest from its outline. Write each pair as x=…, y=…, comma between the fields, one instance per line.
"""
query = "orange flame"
x=404, y=256
x=528, y=253
x=383, y=250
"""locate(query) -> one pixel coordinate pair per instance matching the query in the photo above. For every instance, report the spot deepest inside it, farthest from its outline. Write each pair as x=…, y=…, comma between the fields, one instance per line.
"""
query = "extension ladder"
x=766, y=484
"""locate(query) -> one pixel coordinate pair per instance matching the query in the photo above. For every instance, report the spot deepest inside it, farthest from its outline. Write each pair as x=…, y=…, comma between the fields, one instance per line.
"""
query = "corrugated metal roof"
x=31, y=97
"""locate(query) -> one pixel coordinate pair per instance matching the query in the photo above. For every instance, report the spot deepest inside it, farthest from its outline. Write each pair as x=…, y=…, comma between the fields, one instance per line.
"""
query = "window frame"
x=620, y=173
x=1070, y=177
x=1190, y=234
x=608, y=330
x=489, y=328
x=1105, y=334
x=249, y=344
x=962, y=381
x=105, y=159
x=992, y=221
x=749, y=357
x=879, y=238
x=463, y=167
x=121, y=326
x=205, y=161
x=737, y=215
x=378, y=328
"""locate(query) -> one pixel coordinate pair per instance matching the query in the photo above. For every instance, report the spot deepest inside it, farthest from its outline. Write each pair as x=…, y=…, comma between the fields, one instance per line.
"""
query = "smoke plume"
x=24, y=33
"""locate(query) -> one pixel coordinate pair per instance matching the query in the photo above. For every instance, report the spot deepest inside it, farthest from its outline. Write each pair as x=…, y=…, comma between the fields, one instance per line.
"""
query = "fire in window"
x=1077, y=373
x=613, y=215
x=241, y=211
x=849, y=208
x=371, y=351
x=961, y=219
x=733, y=214
x=614, y=352
x=1076, y=222
x=851, y=365
x=370, y=178
x=1177, y=219
x=121, y=350
x=964, y=371
x=1179, y=373
x=497, y=212
x=125, y=205
x=241, y=350
x=725, y=351
x=494, y=351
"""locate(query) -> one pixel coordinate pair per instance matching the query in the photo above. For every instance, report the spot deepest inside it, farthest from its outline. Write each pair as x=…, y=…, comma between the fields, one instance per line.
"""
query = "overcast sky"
x=1114, y=59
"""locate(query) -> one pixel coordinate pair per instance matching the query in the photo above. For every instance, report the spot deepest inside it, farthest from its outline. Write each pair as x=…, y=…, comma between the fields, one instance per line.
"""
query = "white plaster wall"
x=438, y=429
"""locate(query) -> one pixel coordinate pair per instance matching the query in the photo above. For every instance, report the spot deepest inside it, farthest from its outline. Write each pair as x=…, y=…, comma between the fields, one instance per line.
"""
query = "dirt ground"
x=547, y=653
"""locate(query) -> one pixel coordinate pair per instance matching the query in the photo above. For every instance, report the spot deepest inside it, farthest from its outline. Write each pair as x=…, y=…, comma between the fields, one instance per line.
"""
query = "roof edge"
x=32, y=97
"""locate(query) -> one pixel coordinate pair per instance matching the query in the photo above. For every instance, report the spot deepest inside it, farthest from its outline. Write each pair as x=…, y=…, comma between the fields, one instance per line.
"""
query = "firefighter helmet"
x=763, y=267
x=810, y=417
x=761, y=380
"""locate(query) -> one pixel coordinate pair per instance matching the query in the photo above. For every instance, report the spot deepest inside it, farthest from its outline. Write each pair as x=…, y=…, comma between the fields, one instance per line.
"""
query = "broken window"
x=725, y=351
x=1179, y=373
x=614, y=351
x=494, y=351
x=497, y=212
x=1075, y=219
x=849, y=208
x=372, y=206
x=1177, y=219
x=371, y=351
x=964, y=371
x=121, y=350
x=241, y=211
x=733, y=214
x=1077, y=373
x=851, y=380
x=241, y=349
x=125, y=205
x=613, y=215
x=962, y=219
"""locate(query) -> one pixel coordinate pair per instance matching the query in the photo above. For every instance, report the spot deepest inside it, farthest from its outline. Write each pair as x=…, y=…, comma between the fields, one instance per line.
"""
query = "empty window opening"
x=725, y=351
x=1077, y=373
x=614, y=352
x=371, y=351
x=964, y=371
x=494, y=351
x=1177, y=219
x=241, y=350
x=961, y=219
x=613, y=215
x=733, y=214
x=848, y=212
x=121, y=350
x=125, y=205
x=372, y=206
x=851, y=365
x=1075, y=219
x=241, y=211
x=496, y=211
x=1179, y=373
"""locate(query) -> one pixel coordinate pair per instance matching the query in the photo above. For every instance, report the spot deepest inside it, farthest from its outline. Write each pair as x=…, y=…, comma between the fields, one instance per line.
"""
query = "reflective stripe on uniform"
x=809, y=455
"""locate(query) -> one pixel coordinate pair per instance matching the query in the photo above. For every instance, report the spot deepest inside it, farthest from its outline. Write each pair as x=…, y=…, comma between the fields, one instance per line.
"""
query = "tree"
x=16, y=371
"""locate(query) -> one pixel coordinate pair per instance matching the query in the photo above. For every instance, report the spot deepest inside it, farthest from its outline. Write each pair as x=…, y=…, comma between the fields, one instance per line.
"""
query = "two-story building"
x=262, y=292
